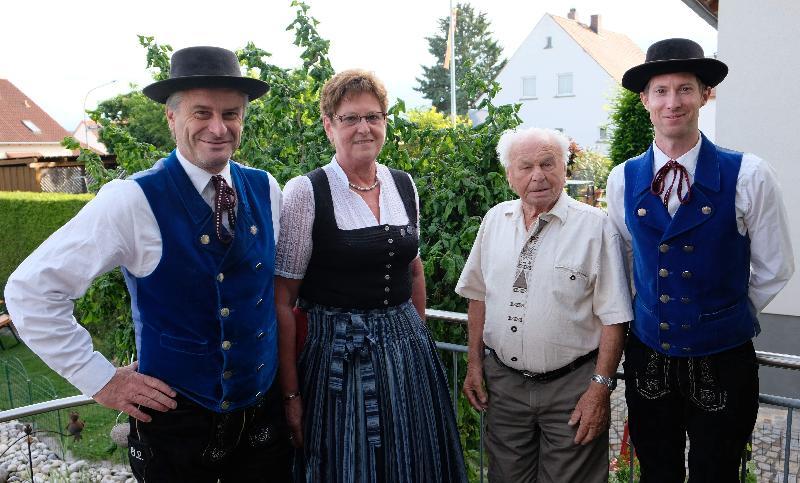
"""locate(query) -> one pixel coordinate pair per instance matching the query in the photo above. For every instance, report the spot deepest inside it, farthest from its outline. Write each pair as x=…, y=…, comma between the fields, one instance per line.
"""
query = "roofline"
x=703, y=12
x=26, y=143
x=582, y=47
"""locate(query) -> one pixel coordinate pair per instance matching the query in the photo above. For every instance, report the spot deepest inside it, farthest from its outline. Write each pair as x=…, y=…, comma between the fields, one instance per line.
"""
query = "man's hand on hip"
x=592, y=413
x=127, y=390
x=473, y=387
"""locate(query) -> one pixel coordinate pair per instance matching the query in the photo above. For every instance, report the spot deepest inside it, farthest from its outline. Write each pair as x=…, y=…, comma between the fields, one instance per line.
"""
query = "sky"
x=63, y=55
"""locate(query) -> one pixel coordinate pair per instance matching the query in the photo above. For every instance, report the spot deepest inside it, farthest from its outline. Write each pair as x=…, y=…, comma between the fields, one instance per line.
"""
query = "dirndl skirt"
x=376, y=407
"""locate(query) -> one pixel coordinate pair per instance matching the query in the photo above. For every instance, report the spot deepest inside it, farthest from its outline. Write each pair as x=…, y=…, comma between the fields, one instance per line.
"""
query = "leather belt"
x=550, y=375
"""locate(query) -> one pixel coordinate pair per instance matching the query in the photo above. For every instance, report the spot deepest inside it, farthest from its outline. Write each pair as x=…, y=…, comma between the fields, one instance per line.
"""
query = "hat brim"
x=161, y=90
x=710, y=71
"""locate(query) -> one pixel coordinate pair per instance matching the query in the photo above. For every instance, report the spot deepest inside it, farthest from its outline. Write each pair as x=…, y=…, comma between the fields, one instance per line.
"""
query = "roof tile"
x=15, y=107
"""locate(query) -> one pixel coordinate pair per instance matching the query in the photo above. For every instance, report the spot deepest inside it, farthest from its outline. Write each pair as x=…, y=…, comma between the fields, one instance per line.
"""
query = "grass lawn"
x=95, y=443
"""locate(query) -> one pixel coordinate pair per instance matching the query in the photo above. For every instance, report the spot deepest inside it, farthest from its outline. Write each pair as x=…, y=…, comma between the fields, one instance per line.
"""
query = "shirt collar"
x=559, y=210
x=200, y=177
x=688, y=160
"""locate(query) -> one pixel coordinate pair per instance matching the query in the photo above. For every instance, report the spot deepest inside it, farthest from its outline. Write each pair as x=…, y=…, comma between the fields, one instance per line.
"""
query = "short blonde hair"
x=347, y=83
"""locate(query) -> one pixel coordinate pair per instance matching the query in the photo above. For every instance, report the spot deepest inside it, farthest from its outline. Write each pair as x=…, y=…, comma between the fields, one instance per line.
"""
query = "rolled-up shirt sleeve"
x=471, y=284
x=611, y=301
x=40, y=293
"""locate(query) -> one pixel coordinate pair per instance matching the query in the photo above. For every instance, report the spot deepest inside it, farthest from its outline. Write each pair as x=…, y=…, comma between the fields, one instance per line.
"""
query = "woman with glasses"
x=367, y=399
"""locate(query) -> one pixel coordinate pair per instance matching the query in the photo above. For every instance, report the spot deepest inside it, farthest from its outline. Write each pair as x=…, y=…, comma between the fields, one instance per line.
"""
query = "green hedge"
x=27, y=219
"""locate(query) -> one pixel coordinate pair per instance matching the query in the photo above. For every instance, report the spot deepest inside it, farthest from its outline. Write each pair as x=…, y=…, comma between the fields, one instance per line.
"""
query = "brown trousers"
x=527, y=436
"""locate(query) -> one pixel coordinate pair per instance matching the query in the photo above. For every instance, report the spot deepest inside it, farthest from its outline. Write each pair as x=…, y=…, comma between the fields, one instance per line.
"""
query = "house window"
x=529, y=87
x=603, y=133
x=30, y=125
x=559, y=129
x=549, y=43
x=565, y=84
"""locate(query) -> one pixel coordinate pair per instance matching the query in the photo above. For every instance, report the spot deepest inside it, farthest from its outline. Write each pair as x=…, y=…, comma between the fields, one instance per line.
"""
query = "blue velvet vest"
x=691, y=271
x=205, y=318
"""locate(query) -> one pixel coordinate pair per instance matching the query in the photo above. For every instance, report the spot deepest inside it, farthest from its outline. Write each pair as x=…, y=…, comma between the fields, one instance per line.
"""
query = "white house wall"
x=708, y=119
x=45, y=149
x=758, y=104
x=579, y=115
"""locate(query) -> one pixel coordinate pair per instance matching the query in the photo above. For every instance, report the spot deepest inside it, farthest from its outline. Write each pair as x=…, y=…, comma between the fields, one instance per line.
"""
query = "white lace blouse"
x=350, y=210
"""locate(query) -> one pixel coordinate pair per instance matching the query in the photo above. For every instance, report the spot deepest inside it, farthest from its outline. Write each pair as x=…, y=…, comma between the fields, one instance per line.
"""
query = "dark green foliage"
x=631, y=129
x=475, y=45
x=134, y=113
x=27, y=219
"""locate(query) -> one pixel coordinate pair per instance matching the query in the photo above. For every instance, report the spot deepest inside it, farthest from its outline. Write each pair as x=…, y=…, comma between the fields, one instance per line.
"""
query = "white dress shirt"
x=573, y=282
x=760, y=214
x=116, y=228
x=350, y=210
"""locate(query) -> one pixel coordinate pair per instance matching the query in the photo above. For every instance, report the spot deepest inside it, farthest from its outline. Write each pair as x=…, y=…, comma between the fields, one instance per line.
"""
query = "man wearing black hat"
x=710, y=248
x=195, y=237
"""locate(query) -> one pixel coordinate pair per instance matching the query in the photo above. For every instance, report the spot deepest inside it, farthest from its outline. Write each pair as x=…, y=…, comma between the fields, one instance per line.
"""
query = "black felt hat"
x=674, y=55
x=203, y=67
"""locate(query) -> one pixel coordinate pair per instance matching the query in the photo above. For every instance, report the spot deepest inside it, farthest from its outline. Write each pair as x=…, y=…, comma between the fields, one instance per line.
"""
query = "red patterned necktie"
x=680, y=174
x=224, y=200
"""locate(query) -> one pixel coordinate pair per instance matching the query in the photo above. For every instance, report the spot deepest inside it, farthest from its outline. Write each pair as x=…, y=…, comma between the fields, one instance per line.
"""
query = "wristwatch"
x=609, y=382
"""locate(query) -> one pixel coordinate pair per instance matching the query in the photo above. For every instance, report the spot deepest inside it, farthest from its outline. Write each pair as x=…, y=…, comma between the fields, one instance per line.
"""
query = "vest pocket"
x=180, y=344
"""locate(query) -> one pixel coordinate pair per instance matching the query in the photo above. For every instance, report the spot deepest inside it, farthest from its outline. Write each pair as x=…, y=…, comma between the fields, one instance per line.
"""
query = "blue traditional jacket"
x=691, y=271
x=205, y=318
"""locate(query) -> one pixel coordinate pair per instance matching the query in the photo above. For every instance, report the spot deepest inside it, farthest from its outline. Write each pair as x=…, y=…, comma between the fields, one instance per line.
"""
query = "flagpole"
x=452, y=66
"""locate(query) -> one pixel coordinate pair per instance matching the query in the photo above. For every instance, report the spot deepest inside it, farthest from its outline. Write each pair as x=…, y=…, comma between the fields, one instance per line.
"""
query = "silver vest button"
x=205, y=239
x=227, y=374
x=706, y=210
x=688, y=248
x=663, y=248
x=665, y=346
x=663, y=326
x=226, y=345
x=253, y=229
x=641, y=212
x=225, y=405
x=685, y=300
x=686, y=274
x=664, y=298
x=663, y=273
x=224, y=311
x=220, y=277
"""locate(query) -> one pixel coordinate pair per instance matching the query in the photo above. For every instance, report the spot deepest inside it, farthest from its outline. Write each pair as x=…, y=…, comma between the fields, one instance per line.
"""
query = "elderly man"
x=548, y=298
x=195, y=237
x=711, y=248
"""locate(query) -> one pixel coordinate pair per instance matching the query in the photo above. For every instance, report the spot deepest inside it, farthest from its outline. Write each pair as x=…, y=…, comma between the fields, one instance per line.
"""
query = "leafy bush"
x=592, y=166
x=631, y=129
x=27, y=219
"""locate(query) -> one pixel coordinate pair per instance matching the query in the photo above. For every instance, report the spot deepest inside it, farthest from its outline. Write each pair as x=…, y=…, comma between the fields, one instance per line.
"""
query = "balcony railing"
x=456, y=353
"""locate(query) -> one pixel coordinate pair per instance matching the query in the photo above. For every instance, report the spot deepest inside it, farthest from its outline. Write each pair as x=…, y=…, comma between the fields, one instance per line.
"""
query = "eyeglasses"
x=373, y=118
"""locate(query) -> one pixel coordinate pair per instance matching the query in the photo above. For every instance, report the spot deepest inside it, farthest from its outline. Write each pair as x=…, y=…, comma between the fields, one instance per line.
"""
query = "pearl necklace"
x=367, y=188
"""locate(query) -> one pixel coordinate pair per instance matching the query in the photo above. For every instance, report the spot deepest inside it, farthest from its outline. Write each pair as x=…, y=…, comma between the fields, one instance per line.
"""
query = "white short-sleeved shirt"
x=574, y=283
